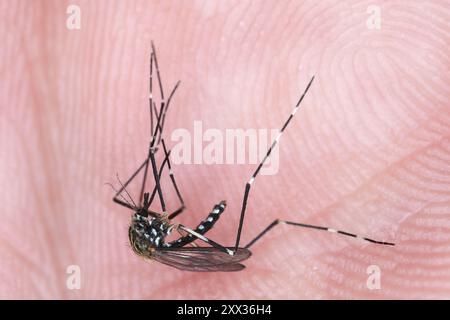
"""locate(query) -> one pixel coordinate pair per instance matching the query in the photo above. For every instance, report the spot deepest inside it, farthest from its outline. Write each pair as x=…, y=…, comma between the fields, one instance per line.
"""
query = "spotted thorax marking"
x=147, y=232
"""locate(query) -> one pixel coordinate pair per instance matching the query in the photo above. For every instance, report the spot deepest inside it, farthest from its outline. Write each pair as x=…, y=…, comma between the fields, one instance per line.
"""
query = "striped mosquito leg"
x=168, y=102
x=151, y=149
x=164, y=106
x=150, y=105
x=331, y=230
x=206, y=240
x=163, y=119
x=174, y=183
x=150, y=97
x=157, y=127
x=161, y=169
x=161, y=89
x=255, y=174
x=157, y=182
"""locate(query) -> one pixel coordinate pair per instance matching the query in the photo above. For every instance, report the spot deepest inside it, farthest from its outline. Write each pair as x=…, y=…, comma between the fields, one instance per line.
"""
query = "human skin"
x=368, y=152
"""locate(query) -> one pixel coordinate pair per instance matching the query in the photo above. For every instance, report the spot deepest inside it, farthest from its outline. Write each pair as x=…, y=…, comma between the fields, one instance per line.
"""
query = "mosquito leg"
x=348, y=234
x=193, y=244
x=151, y=149
x=163, y=119
x=154, y=132
x=168, y=103
x=161, y=169
x=150, y=105
x=172, y=177
x=157, y=128
x=161, y=89
x=177, y=212
x=162, y=112
x=158, y=125
x=252, y=179
x=206, y=240
x=158, y=131
x=157, y=182
x=157, y=71
x=150, y=97
x=203, y=227
x=174, y=183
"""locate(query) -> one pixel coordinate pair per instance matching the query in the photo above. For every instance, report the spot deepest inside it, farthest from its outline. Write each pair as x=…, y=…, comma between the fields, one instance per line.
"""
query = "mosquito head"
x=139, y=244
x=139, y=234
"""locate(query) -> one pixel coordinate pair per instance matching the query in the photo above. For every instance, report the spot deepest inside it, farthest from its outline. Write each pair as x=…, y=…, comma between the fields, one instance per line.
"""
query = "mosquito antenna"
x=125, y=189
x=120, y=194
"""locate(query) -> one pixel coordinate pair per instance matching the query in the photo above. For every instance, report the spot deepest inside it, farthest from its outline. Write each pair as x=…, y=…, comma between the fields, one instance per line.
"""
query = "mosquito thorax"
x=147, y=232
x=142, y=212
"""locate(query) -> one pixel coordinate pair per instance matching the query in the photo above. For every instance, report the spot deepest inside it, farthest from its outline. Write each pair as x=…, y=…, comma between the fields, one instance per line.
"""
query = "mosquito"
x=149, y=229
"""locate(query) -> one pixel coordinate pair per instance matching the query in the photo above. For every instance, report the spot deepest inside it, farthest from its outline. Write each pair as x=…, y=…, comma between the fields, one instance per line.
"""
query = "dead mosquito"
x=149, y=229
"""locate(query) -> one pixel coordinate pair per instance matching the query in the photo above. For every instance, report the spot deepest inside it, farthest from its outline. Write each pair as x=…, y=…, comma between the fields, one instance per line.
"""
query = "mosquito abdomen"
x=203, y=227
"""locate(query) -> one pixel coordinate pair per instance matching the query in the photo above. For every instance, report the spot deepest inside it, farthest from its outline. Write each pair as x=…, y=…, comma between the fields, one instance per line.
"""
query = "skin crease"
x=368, y=152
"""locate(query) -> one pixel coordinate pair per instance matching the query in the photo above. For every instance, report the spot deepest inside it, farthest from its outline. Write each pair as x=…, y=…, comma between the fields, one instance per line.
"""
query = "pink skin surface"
x=368, y=152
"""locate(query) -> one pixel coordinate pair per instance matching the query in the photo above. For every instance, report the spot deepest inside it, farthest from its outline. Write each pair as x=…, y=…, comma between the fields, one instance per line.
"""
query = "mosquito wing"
x=201, y=258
